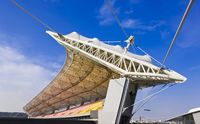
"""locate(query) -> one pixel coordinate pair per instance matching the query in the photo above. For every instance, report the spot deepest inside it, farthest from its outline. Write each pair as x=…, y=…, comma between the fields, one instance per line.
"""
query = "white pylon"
x=130, y=41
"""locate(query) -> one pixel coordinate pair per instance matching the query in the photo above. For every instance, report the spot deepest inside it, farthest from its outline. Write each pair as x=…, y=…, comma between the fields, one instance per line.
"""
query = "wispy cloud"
x=137, y=24
x=130, y=23
x=21, y=77
x=105, y=16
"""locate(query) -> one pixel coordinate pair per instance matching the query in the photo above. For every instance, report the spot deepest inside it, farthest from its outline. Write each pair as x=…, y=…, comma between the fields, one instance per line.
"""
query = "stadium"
x=75, y=93
x=98, y=82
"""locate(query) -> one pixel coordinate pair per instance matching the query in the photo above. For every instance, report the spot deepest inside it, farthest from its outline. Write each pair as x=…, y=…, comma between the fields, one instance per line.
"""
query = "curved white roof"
x=115, y=48
x=194, y=110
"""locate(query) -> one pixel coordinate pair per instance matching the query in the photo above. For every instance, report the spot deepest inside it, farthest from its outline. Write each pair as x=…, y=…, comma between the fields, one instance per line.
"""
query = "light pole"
x=147, y=110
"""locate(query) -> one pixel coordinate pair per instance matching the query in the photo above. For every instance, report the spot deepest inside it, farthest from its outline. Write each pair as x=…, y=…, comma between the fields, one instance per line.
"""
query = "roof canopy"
x=89, y=66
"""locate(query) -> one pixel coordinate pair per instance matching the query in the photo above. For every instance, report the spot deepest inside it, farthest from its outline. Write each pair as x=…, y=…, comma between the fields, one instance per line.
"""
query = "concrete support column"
x=121, y=93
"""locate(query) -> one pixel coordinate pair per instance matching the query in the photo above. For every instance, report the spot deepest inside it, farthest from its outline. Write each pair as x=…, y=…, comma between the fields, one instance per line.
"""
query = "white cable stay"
x=148, y=97
x=178, y=31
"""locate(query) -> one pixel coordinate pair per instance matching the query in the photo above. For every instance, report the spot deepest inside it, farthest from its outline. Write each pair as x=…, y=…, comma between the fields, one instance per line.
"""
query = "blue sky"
x=29, y=58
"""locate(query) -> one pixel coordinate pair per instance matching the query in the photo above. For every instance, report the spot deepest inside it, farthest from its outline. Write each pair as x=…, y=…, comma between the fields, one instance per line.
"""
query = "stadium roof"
x=89, y=66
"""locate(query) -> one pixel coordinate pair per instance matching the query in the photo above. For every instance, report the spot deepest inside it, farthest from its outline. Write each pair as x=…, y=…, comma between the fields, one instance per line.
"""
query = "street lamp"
x=147, y=110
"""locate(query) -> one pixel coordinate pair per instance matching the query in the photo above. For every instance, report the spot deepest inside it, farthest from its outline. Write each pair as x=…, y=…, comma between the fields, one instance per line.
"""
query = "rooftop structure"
x=88, y=69
x=191, y=117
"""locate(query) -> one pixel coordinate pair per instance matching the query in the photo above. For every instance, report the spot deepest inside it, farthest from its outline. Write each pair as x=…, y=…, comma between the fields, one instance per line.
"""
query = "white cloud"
x=105, y=16
x=130, y=23
x=136, y=24
x=20, y=78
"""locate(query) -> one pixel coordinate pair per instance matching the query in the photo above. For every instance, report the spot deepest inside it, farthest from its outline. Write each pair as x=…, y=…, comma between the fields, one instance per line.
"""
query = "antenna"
x=130, y=41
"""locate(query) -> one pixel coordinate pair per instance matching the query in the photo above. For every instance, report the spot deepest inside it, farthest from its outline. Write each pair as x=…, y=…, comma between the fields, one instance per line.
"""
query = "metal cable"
x=31, y=15
x=108, y=42
x=148, y=54
x=148, y=97
x=123, y=30
x=147, y=101
x=142, y=104
x=178, y=30
x=116, y=17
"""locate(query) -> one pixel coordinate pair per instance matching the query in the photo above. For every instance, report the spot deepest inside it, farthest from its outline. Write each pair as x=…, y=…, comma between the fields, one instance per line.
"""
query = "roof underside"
x=74, y=84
